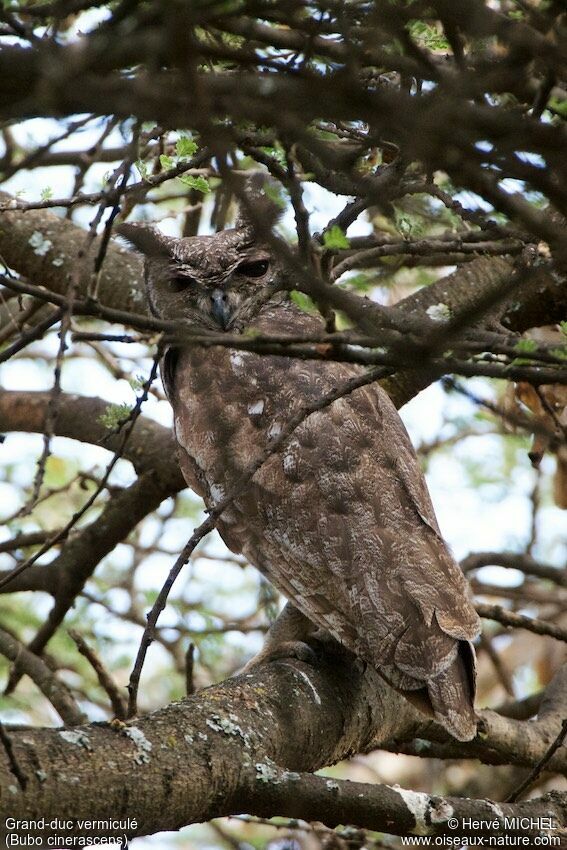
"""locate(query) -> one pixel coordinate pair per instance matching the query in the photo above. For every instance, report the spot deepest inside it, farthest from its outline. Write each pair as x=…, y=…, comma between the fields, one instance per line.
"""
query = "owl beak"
x=220, y=308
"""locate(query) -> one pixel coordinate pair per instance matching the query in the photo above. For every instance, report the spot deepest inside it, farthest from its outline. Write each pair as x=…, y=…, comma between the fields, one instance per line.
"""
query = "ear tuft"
x=147, y=239
x=262, y=203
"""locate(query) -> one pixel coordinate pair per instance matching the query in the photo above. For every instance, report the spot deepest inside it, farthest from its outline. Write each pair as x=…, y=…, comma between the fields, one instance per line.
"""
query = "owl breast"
x=339, y=518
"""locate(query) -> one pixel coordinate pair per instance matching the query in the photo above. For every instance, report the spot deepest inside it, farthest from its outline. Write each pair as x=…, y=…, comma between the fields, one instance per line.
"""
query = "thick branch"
x=166, y=769
x=396, y=810
x=121, y=282
x=150, y=448
x=515, y=561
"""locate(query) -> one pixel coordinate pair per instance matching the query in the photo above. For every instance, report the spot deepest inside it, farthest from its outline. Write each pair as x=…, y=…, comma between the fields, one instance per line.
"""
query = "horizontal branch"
x=519, y=621
x=515, y=561
x=399, y=811
x=150, y=448
x=141, y=770
x=51, y=264
x=371, y=257
x=239, y=736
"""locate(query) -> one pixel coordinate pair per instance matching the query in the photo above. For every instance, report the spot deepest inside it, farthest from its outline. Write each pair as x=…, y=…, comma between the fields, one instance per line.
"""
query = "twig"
x=22, y=541
x=189, y=669
x=31, y=335
x=520, y=621
x=498, y=664
x=533, y=775
x=511, y=418
x=55, y=691
x=52, y=407
x=408, y=356
x=106, y=681
x=424, y=247
x=62, y=534
x=47, y=630
x=535, y=503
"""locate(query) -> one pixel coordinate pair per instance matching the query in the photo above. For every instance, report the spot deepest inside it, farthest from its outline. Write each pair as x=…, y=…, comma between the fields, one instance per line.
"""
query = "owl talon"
x=288, y=649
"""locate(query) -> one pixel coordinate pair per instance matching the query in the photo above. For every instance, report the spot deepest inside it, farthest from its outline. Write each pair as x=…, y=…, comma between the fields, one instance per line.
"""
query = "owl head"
x=216, y=282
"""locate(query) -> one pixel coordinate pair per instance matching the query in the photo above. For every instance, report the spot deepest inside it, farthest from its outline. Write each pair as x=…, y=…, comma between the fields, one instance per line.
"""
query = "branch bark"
x=55, y=691
x=515, y=561
x=150, y=448
x=122, y=277
x=241, y=746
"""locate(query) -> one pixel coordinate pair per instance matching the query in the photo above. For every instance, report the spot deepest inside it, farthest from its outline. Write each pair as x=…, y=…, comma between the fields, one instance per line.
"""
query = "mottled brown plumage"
x=340, y=519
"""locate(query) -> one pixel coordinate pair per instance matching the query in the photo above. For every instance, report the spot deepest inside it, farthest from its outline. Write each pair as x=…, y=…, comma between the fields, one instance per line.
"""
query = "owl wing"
x=192, y=474
x=339, y=519
x=342, y=522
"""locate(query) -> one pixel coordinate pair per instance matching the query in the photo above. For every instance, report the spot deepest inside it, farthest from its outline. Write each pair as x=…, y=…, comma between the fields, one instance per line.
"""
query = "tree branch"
x=515, y=561
x=55, y=691
x=150, y=448
x=245, y=736
x=121, y=280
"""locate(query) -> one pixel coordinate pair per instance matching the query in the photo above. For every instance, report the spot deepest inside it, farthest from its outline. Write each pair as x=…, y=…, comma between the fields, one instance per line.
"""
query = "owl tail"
x=452, y=694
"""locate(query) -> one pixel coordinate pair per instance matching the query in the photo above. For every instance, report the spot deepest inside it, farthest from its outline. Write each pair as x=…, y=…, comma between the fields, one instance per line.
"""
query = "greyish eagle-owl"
x=339, y=519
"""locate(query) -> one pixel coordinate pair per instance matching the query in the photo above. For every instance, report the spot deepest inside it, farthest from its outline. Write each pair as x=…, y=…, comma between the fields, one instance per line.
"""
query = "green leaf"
x=276, y=152
x=559, y=105
x=166, y=162
x=137, y=382
x=560, y=353
x=199, y=183
x=303, y=301
x=114, y=415
x=46, y=193
x=273, y=192
x=563, y=326
x=408, y=224
x=525, y=346
x=335, y=238
x=142, y=168
x=361, y=282
x=186, y=146
x=428, y=36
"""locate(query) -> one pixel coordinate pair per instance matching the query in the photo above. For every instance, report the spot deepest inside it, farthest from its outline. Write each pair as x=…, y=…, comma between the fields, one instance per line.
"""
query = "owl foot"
x=286, y=639
x=287, y=649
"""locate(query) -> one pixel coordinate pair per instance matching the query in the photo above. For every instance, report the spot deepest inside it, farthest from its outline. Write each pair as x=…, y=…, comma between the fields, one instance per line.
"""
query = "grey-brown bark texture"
x=243, y=745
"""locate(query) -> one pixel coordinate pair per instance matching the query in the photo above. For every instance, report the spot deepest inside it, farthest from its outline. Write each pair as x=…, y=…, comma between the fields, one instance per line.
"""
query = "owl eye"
x=181, y=282
x=255, y=268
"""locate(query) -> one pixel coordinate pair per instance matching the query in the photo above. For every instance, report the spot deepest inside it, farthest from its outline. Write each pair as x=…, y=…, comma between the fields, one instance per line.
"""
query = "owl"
x=339, y=519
